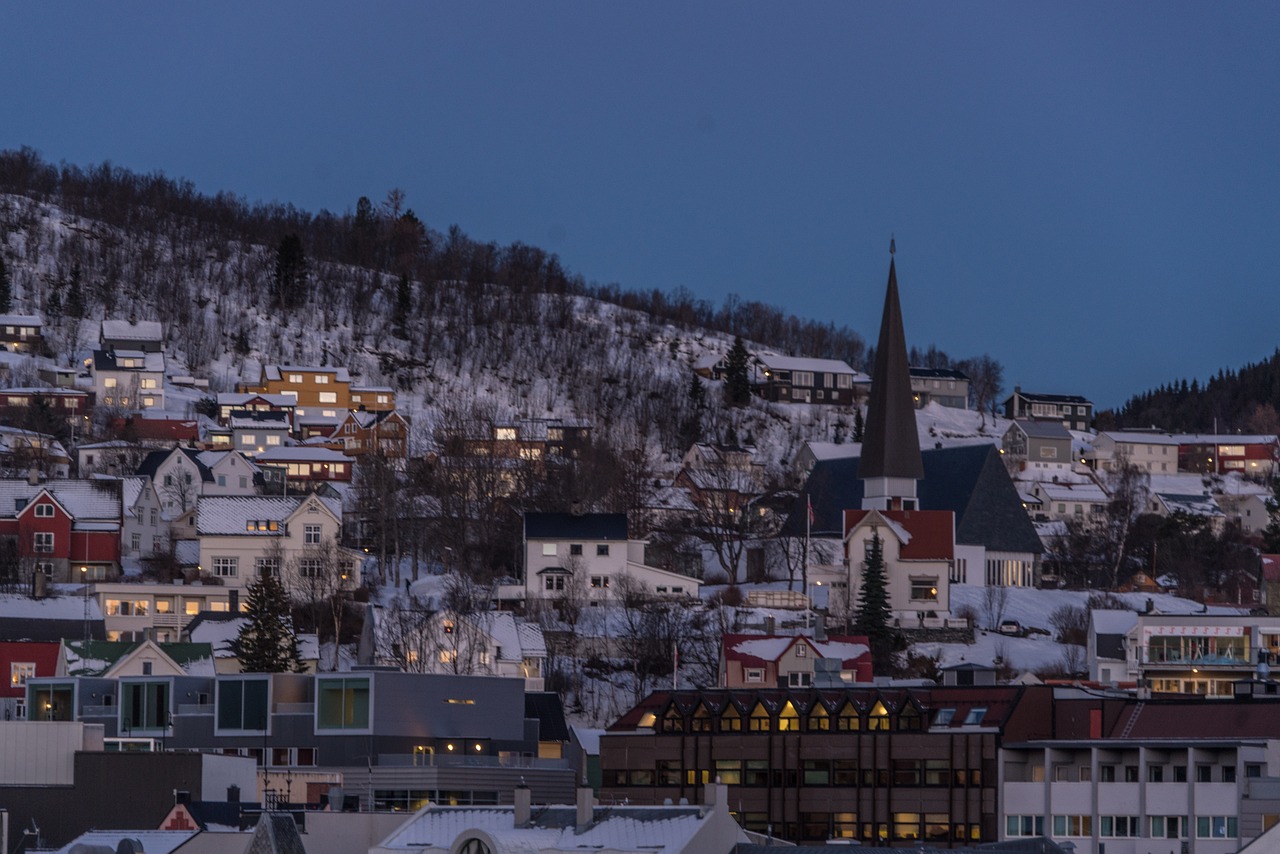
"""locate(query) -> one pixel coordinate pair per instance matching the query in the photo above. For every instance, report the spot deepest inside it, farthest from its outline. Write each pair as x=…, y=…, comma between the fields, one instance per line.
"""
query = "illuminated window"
x=879, y=718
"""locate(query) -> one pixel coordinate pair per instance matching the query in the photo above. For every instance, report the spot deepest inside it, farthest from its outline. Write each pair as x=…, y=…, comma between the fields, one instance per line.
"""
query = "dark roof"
x=225, y=813
x=585, y=526
x=276, y=833
x=1043, y=429
x=34, y=629
x=545, y=708
x=938, y=373
x=970, y=481
x=891, y=447
x=1051, y=398
x=1034, y=845
x=151, y=463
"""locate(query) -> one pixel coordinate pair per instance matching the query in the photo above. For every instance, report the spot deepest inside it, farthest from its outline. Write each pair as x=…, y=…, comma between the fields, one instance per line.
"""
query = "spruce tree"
x=874, y=615
x=75, y=294
x=6, y=290
x=737, y=382
x=289, y=285
x=404, y=305
x=859, y=425
x=266, y=644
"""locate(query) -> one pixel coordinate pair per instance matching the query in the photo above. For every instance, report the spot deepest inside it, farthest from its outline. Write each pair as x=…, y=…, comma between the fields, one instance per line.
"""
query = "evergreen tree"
x=53, y=305
x=737, y=382
x=1271, y=533
x=859, y=425
x=267, y=644
x=404, y=305
x=75, y=294
x=874, y=616
x=6, y=290
x=691, y=427
x=289, y=285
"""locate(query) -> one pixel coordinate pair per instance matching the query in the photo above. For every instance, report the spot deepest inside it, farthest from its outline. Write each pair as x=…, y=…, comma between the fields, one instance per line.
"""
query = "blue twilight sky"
x=1088, y=191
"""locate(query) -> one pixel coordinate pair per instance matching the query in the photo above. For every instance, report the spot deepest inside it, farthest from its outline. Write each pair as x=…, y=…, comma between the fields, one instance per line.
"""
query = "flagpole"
x=804, y=564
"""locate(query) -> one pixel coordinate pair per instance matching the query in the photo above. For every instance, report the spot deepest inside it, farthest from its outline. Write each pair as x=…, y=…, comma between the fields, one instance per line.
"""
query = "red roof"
x=933, y=532
x=164, y=429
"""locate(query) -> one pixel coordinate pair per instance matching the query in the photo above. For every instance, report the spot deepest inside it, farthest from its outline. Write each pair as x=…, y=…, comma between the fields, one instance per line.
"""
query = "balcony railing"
x=449, y=760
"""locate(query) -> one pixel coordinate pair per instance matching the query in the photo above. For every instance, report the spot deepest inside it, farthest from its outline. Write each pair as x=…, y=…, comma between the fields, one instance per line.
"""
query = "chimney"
x=33, y=476
x=233, y=600
x=819, y=628
x=586, y=808
x=716, y=795
x=769, y=625
x=524, y=805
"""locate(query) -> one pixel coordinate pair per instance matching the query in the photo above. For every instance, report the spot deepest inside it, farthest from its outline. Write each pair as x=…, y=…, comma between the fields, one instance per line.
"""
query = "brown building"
x=884, y=766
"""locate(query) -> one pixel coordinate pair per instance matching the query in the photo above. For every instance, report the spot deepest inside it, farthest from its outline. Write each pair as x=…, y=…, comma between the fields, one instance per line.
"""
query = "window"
x=135, y=541
x=1168, y=826
x=226, y=567
x=310, y=567
x=944, y=716
x=575, y=549
x=1155, y=774
x=322, y=379
x=1106, y=773
x=44, y=510
x=328, y=397
x=553, y=582
x=1118, y=826
x=1131, y=773
x=760, y=720
x=248, y=439
x=924, y=589
x=266, y=566
x=819, y=719
x=1024, y=825
x=731, y=719
x=295, y=378
x=1204, y=773
x=799, y=680
x=975, y=716
x=242, y=704
x=878, y=720
x=273, y=440
x=1228, y=773
x=754, y=674
x=20, y=672
x=144, y=706
x=150, y=382
x=602, y=549
x=311, y=535
x=848, y=720
x=1216, y=827
x=817, y=772
x=600, y=582
x=44, y=542
x=1072, y=825
x=342, y=704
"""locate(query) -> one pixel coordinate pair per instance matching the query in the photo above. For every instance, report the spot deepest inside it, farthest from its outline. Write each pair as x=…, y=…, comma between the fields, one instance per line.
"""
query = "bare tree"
x=1129, y=486
x=321, y=579
x=986, y=379
x=995, y=599
x=650, y=630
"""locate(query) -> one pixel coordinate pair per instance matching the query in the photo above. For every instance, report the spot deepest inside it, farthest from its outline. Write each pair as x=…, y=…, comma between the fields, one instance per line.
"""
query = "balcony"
x=449, y=760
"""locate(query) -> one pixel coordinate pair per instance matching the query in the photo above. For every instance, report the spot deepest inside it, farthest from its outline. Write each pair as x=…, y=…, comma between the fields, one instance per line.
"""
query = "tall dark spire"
x=891, y=446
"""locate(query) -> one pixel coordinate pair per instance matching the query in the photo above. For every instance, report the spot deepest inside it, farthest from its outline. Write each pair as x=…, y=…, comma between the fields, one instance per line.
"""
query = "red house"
x=67, y=529
x=20, y=661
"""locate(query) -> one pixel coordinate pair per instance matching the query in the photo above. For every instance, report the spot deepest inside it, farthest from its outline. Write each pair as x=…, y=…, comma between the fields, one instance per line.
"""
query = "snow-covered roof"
x=235, y=398
x=187, y=552
x=277, y=372
x=1112, y=622
x=1139, y=438
x=657, y=829
x=132, y=330
x=230, y=514
x=1224, y=439
x=259, y=421
x=833, y=450
x=109, y=361
x=153, y=841
x=775, y=362
x=301, y=453
x=62, y=607
x=85, y=500
x=21, y=320
x=1073, y=492
x=1192, y=505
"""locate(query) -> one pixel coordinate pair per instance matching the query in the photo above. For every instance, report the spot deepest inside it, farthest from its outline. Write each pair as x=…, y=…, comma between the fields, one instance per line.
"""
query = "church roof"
x=891, y=447
x=970, y=481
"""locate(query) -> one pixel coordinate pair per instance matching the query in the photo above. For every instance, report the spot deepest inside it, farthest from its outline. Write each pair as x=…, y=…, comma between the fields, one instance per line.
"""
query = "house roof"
x=132, y=330
x=230, y=514
x=85, y=500
x=1090, y=492
x=1042, y=429
x=970, y=481
x=1139, y=437
x=238, y=399
x=775, y=362
x=1111, y=622
x=1224, y=439
x=21, y=320
x=94, y=657
x=152, y=462
x=891, y=446
x=1192, y=505
x=166, y=429
x=938, y=374
x=1049, y=398
x=301, y=453
x=249, y=419
x=48, y=619
x=923, y=534
x=566, y=526
x=276, y=372
x=757, y=650
x=108, y=360
x=151, y=841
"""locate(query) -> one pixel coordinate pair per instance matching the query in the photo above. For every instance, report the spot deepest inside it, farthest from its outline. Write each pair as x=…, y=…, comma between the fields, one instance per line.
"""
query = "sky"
x=1088, y=192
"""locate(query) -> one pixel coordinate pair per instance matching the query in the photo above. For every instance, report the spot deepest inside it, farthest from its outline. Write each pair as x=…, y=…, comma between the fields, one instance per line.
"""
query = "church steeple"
x=891, y=463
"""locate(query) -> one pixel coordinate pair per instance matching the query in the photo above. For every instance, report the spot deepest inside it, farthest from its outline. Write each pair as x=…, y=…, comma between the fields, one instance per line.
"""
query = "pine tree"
x=737, y=382
x=267, y=644
x=859, y=425
x=289, y=285
x=6, y=290
x=874, y=615
x=53, y=305
x=75, y=294
x=404, y=305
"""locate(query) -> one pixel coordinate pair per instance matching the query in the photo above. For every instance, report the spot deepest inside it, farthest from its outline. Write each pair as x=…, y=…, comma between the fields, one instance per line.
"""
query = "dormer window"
x=44, y=511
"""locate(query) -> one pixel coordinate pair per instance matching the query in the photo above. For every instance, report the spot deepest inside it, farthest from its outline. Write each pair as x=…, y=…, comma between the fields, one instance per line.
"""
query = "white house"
x=591, y=553
x=244, y=537
x=129, y=379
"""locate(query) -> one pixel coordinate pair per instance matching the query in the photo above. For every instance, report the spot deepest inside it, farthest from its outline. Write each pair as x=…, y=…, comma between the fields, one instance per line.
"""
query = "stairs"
x=1133, y=718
